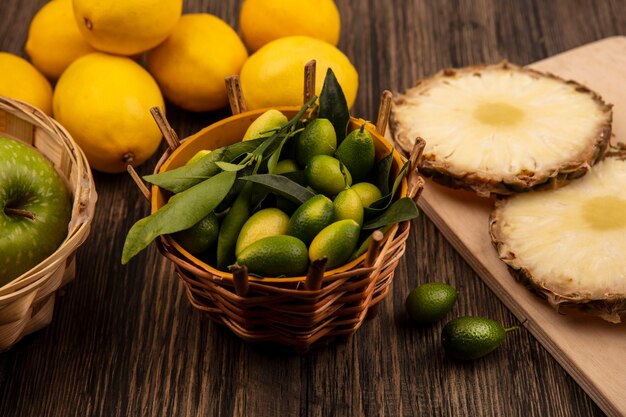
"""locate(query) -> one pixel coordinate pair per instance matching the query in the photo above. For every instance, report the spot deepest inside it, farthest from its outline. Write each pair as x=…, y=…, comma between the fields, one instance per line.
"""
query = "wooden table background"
x=125, y=341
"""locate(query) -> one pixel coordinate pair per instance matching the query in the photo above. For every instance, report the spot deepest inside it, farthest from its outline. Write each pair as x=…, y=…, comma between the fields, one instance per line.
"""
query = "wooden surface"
x=125, y=341
x=591, y=350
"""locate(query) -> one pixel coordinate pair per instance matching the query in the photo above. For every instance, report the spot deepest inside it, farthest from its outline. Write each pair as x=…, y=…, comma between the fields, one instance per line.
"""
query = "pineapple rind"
x=607, y=300
x=532, y=174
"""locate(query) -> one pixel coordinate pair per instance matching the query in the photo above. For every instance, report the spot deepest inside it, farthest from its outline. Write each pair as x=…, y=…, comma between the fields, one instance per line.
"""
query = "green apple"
x=35, y=209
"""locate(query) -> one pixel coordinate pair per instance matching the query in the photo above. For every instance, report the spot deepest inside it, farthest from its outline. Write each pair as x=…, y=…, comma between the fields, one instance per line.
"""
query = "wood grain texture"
x=125, y=342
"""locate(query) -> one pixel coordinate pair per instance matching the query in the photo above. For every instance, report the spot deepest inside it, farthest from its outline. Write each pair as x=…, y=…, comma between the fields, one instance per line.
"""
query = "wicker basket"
x=299, y=311
x=26, y=303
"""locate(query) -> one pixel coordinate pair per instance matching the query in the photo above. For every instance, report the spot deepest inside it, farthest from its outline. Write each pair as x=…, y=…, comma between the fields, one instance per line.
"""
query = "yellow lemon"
x=190, y=66
x=274, y=75
x=54, y=40
x=104, y=101
x=263, y=21
x=22, y=81
x=126, y=27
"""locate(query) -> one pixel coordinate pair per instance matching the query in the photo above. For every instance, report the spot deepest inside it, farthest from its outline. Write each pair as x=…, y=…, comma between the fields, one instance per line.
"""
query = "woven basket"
x=297, y=311
x=26, y=303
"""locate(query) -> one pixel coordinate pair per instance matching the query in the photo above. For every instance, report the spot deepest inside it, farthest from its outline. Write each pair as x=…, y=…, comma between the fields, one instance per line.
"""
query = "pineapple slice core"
x=498, y=114
x=605, y=213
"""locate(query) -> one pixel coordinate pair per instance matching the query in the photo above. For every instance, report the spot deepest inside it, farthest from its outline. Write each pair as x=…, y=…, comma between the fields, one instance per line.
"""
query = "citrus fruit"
x=327, y=175
x=22, y=81
x=54, y=41
x=310, y=218
x=104, y=101
x=285, y=166
x=318, y=138
x=336, y=241
x=198, y=155
x=126, y=27
x=262, y=21
x=357, y=153
x=274, y=75
x=263, y=223
x=347, y=205
x=262, y=125
x=430, y=302
x=286, y=205
x=368, y=193
x=274, y=256
x=190, y=66
x=231, y=226
x=201, y=236
x=472, y=337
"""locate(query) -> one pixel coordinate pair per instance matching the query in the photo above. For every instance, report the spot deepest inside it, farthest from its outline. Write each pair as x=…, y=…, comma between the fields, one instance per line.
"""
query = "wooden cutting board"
x=591, y=350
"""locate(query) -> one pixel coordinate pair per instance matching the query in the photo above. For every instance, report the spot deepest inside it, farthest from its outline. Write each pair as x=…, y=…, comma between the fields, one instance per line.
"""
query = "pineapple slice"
x=569, y=244
x=502, y=129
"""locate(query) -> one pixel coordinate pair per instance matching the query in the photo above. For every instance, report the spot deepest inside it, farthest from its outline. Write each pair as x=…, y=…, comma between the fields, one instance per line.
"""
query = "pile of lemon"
x=112, y=61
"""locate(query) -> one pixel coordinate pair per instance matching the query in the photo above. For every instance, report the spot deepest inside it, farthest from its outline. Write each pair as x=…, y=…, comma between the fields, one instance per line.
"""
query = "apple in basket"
x=36, y=209
x=291, y=193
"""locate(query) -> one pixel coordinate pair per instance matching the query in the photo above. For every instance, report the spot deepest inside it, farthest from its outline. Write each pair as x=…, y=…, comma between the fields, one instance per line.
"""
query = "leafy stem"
x=286, y=129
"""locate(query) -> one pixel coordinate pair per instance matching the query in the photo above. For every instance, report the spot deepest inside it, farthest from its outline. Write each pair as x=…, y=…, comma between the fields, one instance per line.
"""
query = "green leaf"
x=273, y=160
x=399, y=211
x=227, y=166
x=187, y=209
x=333, y=105
x=237, y=187
x=382, y=171
x=271, y=163
x=257, y=197
x=259, y=194
x=272, y=142
x=182, y=178
x=179, y=179
x=282, y=185
x=383, y=203
x=296, y=176
x=231, y=226
x=366, y=243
